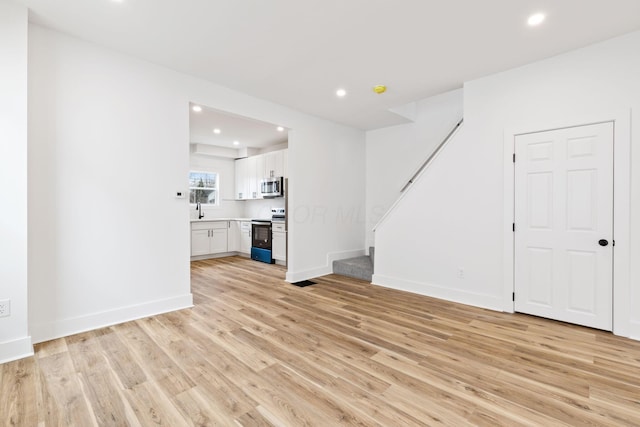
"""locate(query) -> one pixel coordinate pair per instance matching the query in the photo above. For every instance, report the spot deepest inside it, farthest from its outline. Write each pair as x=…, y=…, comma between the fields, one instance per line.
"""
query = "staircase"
x=362, y=267
x=359, y=267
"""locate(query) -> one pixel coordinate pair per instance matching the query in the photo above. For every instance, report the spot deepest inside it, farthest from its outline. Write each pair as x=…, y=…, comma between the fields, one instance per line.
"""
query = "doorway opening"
x=241, y=154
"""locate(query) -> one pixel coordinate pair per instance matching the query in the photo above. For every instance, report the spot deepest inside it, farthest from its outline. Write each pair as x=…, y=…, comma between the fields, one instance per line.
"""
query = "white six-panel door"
x=563, y=216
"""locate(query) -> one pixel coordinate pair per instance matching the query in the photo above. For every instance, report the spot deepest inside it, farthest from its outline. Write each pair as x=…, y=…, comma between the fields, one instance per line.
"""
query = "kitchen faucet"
x=199, y=209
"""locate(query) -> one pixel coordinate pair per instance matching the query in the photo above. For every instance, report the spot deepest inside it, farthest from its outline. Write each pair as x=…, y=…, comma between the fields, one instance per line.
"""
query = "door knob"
x=603, y=242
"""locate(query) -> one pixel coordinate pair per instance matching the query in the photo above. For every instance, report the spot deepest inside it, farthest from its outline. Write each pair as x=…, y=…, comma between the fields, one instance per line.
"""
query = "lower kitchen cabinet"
x=200, y=242
x=245, y=237
x=209, y=237
x=233, y=238
x=279, y=242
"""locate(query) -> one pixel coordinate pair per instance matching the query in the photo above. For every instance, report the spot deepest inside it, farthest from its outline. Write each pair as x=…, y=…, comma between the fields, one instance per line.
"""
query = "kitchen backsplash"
x=227, y=209
x=260, y=208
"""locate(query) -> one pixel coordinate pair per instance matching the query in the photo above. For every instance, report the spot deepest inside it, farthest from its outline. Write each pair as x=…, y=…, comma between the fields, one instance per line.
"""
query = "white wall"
x=326, y=198
x=14, y=337
x=228, y=208
x=454, y=217
x=276, y=147
x=395, y=153
x=103, y=125
x=108, y=147
x=261, y=208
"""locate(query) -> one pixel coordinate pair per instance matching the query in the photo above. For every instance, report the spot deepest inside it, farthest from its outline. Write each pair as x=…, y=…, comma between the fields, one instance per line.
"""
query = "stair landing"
x=359, y=267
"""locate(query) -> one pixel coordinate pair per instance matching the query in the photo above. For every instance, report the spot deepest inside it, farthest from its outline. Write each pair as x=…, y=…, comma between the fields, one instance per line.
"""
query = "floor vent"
x=304, y=283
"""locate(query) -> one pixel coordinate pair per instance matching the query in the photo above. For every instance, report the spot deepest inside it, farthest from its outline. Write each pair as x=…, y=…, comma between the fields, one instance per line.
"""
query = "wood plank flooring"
x=256, y=351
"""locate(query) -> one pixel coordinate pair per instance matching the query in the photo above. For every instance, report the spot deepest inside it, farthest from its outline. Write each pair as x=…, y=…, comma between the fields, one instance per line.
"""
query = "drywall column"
x=14, y=340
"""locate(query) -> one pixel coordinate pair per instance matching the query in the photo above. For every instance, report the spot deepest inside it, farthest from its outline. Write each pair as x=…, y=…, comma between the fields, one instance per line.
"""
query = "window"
x=203, y=188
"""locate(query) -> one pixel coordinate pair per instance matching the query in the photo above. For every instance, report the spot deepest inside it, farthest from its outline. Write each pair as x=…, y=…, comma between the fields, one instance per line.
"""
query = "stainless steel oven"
x=261, y=241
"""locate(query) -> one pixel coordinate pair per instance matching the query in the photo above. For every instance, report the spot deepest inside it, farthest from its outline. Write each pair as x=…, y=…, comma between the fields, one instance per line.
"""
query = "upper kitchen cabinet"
x=242, y=179
x=274, y=164
x=247, y=178
x=250, y=171
x=254, y=175
x=259, y=174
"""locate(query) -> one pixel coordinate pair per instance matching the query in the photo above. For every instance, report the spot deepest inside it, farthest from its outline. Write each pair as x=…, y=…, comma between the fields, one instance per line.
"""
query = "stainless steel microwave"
x=272, y=187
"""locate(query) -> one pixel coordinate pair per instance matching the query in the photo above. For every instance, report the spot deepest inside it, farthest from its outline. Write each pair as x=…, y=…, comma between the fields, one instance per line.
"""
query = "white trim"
x=65, y=327
x=622, y=324
x=441, y=292
x=216, y=189
x=634, y=330
x=298, y=276
x=16, y=349
x=509, y=217
x=219, y=255
x=335, y=256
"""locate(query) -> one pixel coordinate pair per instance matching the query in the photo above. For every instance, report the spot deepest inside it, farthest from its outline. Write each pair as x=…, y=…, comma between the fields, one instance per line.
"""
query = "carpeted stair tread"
x=363, y=261
x=359, y=267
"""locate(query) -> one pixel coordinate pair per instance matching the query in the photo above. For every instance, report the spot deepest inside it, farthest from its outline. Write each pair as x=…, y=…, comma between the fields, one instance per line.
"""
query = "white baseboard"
x=440, y=292
x=634, y=330
x=65, y=327
x=298, y=276
x=334, y=256
x=220, y=255
x=16, y=349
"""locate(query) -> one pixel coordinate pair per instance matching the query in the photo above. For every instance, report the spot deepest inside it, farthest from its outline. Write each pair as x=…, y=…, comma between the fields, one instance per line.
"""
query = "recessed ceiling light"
x=236, y=143
x=341, y=93
x=535, y=19
x=217, y=131
x=197, y=108
x=280, y=128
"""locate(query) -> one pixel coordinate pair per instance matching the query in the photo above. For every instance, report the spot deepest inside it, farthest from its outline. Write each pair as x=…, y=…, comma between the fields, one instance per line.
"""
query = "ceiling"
x=248, y=132
x=298, y=52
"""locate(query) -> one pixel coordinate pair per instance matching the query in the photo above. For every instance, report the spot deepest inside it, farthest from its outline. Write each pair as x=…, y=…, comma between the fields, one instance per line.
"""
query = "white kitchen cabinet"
x=260, y=174
x=250, y=171
x=209, y=237
x=200, y=240
x=245, y=237
x=279, y=242
x=253, y=177
x=274, y=164
x=242, y=179
x=233, y=238
x=219, y=240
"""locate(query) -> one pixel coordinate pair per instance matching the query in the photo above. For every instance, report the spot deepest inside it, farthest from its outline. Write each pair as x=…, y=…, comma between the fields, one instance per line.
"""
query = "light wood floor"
x=256, y=351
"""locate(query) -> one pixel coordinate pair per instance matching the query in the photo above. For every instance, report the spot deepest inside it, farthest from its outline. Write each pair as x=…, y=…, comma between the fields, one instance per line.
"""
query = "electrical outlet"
x=460, y=273
x=5, y=308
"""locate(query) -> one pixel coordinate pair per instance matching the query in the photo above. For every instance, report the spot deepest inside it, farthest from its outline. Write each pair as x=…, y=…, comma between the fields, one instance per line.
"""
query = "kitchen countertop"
x=209, y=219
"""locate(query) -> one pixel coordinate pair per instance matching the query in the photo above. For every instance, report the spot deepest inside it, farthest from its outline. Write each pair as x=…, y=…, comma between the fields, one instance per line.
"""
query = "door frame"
x=621, y=207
